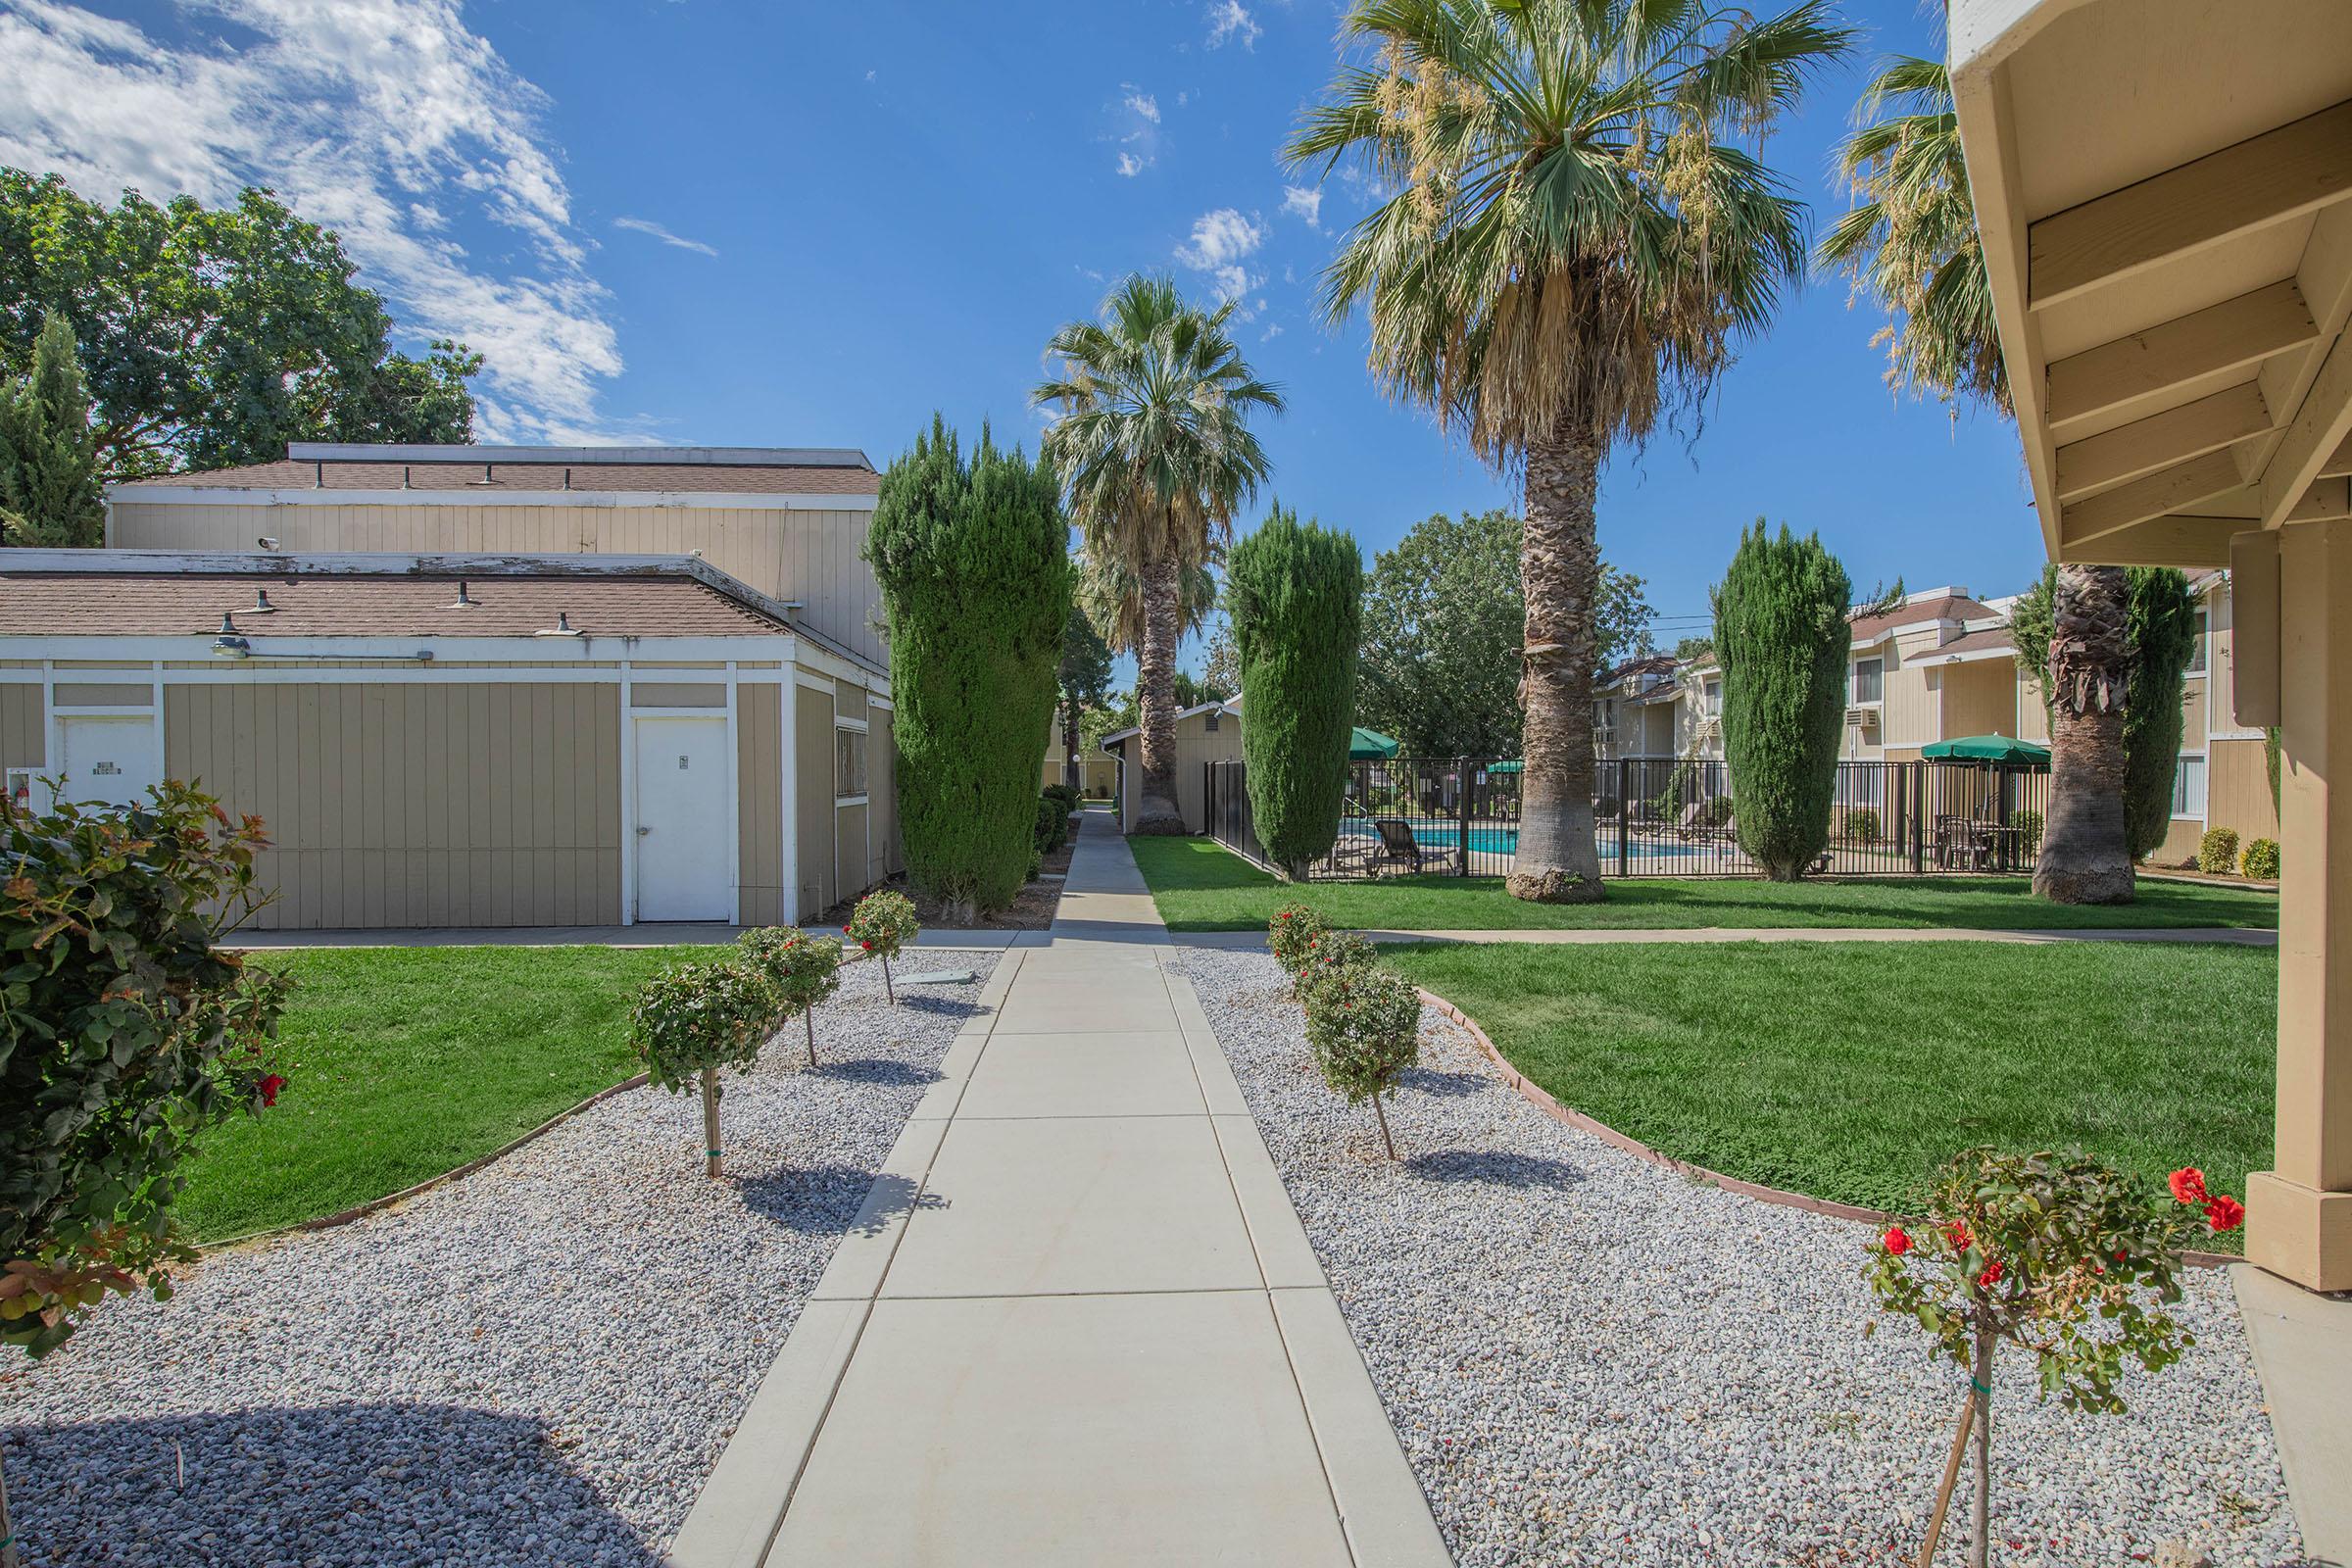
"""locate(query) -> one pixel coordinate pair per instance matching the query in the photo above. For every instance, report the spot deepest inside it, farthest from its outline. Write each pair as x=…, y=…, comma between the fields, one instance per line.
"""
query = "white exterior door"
x=108, y=761
x=682, y=822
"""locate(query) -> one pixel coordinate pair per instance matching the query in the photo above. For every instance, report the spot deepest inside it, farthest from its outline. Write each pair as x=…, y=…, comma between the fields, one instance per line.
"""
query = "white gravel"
x=538, y=1364
x=1591, y=1359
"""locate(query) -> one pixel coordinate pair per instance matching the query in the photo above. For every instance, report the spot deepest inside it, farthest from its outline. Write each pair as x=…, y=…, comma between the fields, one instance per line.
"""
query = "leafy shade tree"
x=1689, y=648
x=49, y=493
x=1082, y=682
x=1193, y=690
x=973, y=562
x=1582, y=230
x=1297, y=593
x=1445, y=620
x=213, y=336
x=1221, y=664
x=1911, y=241
x=1152, y=434
x=1783, y=636
x=2161, y=634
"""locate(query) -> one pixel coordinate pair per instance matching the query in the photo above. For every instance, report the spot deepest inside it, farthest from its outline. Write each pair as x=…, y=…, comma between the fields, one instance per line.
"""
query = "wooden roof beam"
x=2185, y=541
x=2282, y=174
x=2323, y=422
x=2183, y=484
x=2341, y=464
x=2191, y=431
x=2234, y=335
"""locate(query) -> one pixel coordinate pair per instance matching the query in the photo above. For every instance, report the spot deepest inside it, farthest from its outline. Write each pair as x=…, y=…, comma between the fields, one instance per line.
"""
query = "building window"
x=1713, y=699
x=1212, y=721
x=2196, y=653
x=1869, y=676
x=2188, y=787
x=848, y=763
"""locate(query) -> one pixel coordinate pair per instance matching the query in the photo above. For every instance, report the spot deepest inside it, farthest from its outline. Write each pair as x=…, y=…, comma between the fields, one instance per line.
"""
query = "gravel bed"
x=1589, y=1358
x=537, y=1364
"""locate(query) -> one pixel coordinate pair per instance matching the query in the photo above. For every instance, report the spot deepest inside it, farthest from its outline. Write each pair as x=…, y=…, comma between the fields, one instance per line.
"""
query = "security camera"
x=267, y=542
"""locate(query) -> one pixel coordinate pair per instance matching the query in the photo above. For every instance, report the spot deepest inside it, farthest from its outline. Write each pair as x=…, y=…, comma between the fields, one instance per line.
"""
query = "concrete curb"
x=1540, y=1098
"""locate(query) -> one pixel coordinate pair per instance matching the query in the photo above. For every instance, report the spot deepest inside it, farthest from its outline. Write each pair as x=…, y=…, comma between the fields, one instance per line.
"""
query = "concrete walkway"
x=2236, y=935
x=1078, y=1321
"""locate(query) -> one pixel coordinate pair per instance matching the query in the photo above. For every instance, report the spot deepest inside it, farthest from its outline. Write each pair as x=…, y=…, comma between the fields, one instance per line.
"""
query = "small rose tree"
x=1291, y=935
x=881, y=924
x=801, y=969
x=1334, y=950
x=692, y=1020
x=1363, y=1023
x=2060, y=1255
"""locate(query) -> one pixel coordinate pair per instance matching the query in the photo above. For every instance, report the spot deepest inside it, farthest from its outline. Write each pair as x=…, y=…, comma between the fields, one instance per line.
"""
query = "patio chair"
x=1690, y=827
x=1397, y=841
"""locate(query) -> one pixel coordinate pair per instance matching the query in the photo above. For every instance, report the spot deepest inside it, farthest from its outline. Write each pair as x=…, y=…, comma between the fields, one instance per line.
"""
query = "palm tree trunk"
x=1559, y=567
x=1072, y=773
x=1156, y=696
x=2085, y=858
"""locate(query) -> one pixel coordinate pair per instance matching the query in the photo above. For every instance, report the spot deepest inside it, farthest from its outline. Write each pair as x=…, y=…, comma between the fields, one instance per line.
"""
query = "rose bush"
x=880, y=925
x=1363, y=1023
x=1289, y=936
x=692, y=1020
x=800, y=969
x=2060, y=1255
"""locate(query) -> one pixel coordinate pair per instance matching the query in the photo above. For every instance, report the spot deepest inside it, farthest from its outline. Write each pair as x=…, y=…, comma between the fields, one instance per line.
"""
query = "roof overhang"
x=2164, y=189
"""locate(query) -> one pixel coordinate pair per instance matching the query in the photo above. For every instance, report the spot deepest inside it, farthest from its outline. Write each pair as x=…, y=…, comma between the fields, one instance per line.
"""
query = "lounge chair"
x=1690, y=827
x=1397, y=841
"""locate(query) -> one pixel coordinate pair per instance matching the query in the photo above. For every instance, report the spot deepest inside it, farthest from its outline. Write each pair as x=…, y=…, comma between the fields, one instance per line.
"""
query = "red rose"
x=1955, y=1235
x=845, y=930
x=2224, y=1212
x=2189, y=1184
x=1990, y=1277
x=867, y=945
x=1897, y=1240
x=269, y=1087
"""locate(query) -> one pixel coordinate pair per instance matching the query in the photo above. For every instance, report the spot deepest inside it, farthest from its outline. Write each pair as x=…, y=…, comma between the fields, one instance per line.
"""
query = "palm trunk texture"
x=2085, y=858
x=1072, y=772
x=1155, y=694
x=1559, y=567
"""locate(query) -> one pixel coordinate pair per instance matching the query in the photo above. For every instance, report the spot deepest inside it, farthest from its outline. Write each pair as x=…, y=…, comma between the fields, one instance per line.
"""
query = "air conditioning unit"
x=1861, y=717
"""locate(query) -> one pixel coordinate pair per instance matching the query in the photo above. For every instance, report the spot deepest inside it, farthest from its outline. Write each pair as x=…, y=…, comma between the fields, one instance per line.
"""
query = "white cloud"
x=1273, y=330
x=1220, y=238
x=1227, y=19
x=646, y=226
x=1142, y=105
x=1300, y=201
x=1130, y=165
x=387, y=121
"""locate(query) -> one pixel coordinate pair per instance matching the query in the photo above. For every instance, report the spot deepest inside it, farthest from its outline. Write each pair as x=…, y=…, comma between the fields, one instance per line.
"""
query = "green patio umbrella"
x=2002, y=749
x=1514, y=766
x=1369, y=746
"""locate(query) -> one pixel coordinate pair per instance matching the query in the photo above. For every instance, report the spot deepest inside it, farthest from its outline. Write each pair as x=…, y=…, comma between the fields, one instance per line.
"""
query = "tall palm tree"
x=1911, y=241
x=1152, y=437
x=1112, y=598
x=1578, y=232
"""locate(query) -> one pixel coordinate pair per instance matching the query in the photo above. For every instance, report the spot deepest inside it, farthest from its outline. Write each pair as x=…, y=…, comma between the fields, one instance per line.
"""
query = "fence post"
x=1919, y=817
x=1462, y=813
x=1624, y=810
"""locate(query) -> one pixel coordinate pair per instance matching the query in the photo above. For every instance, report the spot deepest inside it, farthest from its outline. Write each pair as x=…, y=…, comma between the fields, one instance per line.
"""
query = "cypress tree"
x=973, y=562
x=49, y=491
x=1782, y=636
x=2162, y=616
x=1296, y=593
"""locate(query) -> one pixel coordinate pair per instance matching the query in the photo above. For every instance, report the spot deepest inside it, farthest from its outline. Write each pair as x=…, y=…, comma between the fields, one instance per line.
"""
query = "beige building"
x=1210, y=732
x=486, y=735
x=2171, y=266
x=1098, y=775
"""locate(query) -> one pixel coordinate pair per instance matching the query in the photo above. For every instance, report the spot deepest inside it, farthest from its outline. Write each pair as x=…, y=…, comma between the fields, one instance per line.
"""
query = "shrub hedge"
x=2216, y=851
x=2261, y=860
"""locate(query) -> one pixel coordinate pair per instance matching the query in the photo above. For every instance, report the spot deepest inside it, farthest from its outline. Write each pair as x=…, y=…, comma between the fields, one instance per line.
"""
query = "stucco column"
x=2299, y=1214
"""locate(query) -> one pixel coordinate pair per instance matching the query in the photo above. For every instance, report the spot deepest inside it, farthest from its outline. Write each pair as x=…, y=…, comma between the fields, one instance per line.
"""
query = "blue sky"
x=799, y=225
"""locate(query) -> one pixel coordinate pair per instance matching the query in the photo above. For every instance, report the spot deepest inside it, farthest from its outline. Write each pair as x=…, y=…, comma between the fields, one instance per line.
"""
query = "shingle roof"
x=534, y=477
x=166, y=604
x=1993, y=639
x=1950, y=606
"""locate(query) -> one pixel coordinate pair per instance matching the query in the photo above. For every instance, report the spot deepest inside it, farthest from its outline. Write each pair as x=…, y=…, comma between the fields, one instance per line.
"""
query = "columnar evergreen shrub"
x=884, y=921
x=1296, y=592
x=2261, y=860
x=801, y=969
x=972, y=559
x=692, y=1020
x=1782, y=636
x=2162, y=615
x=2216, y=851
x=49, y=490
x=1363, y=1023
x=1290, y=936
x=125, y=1033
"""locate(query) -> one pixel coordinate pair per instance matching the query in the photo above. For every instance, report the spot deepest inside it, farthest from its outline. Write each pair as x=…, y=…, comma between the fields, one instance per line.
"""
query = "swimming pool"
x=1505, y=841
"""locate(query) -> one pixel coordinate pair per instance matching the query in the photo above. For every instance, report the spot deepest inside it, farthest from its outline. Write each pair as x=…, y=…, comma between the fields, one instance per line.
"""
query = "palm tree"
x=1113, y=598
x=1153, y=440
x=1911, y=241
x=1578, y=232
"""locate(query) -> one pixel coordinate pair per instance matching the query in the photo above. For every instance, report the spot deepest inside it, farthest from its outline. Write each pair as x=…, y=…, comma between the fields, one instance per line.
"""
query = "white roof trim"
x=222, y=495
x=1932, y=657
x=1233, y=708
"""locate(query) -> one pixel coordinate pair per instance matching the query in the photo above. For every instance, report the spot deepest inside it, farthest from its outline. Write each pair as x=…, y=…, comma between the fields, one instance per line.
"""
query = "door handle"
x=642, y=831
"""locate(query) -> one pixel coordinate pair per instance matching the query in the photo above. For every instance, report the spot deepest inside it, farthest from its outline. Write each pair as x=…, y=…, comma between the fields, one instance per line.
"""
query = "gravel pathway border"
x=538, y=1364
x=1592, y=1359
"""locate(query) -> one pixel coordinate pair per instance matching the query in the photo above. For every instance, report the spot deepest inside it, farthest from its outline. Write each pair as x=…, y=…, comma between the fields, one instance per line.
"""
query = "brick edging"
x=1540, y=1098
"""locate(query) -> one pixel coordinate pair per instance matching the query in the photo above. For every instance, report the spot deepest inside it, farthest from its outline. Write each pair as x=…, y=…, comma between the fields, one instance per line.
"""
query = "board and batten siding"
x=407, y=804
x=760, y=804
x=882, y=790
x=23, y=727
x=812, y=743
x=787, y=553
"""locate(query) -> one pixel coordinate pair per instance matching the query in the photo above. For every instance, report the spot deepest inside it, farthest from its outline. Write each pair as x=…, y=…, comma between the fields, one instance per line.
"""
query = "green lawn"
x=1851, y=1070
x=405, y=1062
x=1201, y=886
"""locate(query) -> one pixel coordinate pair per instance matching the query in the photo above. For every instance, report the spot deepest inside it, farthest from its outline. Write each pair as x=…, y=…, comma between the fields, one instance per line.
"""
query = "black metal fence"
x=1660, y=816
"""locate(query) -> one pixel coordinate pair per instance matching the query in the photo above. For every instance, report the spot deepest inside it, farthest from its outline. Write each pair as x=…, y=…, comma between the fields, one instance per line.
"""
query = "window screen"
x=848, y=762
x=1867, y=678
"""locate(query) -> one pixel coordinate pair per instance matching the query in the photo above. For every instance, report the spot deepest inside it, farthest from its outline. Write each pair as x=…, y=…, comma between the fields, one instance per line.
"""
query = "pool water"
x=1505, y=841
